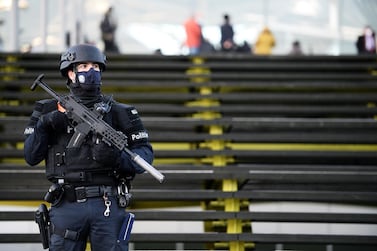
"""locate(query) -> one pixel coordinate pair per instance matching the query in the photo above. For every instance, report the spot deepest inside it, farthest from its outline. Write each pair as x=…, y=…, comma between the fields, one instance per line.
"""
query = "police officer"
x=90, y=183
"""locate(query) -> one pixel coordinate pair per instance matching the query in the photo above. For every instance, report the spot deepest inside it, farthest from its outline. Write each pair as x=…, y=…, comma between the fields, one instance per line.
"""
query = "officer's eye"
x=87, y=66
x=96, y=67
x=81, y=67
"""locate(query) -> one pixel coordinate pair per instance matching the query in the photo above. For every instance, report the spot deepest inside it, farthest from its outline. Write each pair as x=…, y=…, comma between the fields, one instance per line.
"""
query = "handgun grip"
x=42, y=218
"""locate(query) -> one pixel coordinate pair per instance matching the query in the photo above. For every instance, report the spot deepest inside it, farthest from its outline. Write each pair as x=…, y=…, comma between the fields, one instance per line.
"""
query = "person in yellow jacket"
x=264, y=43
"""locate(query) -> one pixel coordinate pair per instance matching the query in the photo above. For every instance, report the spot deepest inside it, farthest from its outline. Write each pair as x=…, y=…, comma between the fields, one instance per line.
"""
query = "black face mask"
x=89, y=79
x=87, y=86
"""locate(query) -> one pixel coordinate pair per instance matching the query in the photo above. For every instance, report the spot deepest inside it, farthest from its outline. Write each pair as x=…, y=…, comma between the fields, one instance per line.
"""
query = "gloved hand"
x=54, y=121
x=105, y=154
x=126, y=167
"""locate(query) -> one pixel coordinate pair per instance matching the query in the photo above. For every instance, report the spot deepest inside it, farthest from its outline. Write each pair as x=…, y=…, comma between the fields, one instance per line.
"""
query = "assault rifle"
x=87, y=121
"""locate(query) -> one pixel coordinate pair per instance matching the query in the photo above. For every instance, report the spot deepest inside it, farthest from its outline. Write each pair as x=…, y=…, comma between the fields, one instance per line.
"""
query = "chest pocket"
x=64, y=162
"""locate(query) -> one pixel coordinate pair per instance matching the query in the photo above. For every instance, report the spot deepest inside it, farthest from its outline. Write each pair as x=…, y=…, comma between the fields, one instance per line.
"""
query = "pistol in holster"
x=42, y=218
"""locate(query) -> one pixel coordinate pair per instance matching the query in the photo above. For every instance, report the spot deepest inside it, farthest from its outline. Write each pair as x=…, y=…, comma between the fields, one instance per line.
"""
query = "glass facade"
x=322, y=26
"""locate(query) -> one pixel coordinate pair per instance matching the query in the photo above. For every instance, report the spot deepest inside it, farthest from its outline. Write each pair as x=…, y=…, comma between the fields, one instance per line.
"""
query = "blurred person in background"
x=296, y=48
x=108, y=27
x=265, y=42
x=366, y=43
x=227, y=34
x=193, y=35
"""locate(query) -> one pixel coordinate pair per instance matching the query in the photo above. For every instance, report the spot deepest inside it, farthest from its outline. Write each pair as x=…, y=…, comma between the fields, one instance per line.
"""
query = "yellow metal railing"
x=200, y=74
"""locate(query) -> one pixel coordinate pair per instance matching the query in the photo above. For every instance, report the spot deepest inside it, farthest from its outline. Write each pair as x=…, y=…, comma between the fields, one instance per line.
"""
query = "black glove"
x=105, y=154
x=126, y=167
x=54, y=121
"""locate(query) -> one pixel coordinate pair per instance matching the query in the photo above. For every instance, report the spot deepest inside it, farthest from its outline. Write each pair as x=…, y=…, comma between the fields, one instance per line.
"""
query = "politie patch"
x=140, y=135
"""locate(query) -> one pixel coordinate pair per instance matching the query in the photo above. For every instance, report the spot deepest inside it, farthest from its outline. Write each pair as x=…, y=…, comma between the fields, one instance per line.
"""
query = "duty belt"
x=82, y=193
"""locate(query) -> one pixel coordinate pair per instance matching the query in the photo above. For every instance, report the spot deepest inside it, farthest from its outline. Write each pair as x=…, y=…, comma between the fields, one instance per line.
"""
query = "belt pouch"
x=69, y=193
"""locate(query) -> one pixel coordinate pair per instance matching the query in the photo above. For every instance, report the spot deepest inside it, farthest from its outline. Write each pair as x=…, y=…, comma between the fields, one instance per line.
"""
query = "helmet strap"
x=70, y=83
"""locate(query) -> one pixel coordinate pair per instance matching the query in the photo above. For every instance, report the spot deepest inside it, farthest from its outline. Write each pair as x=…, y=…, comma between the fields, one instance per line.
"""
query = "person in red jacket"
x=193, y=35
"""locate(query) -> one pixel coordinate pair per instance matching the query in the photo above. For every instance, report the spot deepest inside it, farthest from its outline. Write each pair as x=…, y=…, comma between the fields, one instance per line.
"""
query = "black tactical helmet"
x=81, y=53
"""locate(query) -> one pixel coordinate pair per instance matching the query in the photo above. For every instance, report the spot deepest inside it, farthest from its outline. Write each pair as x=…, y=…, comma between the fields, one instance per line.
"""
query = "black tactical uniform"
x=90, y=183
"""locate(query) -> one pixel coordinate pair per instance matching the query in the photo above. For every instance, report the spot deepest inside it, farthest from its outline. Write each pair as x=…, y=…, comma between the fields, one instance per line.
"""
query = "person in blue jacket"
x=227, y=34
x=90, y=183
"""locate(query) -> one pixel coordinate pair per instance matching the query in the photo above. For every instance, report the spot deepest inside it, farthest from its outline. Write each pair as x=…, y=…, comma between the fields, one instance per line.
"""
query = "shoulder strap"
x=105, y=105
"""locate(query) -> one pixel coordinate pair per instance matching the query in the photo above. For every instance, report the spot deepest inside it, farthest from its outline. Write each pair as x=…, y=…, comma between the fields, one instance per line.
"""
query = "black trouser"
x=87, y=219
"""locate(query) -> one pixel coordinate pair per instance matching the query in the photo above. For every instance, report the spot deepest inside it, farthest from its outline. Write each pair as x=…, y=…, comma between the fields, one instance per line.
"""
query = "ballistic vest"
x=76, y=165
